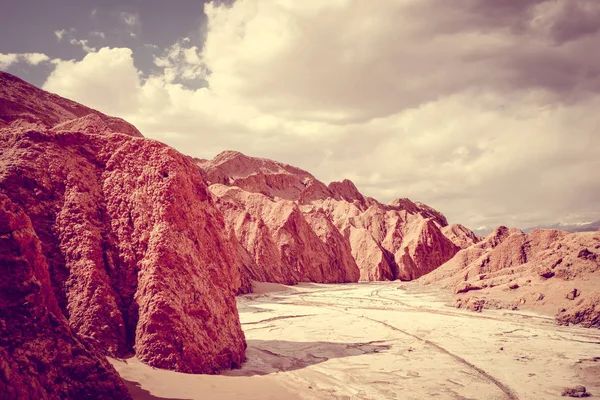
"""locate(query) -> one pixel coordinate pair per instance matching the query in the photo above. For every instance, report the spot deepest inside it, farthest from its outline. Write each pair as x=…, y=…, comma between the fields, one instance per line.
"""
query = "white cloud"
x=35, y=58
x=132, y=22
x=98, y=34
x=106, y=80
x=131, y=19
x=7, y=60
x=59, y=34
x=182, y=61
x=492, y=125
x=84, y=45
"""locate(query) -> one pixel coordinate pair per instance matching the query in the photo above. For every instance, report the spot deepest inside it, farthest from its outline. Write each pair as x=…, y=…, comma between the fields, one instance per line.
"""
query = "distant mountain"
x=569, y=227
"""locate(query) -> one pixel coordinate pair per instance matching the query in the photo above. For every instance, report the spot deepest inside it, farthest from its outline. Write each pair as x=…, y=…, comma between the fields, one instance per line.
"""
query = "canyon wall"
x=296, y=228
x=138, y=257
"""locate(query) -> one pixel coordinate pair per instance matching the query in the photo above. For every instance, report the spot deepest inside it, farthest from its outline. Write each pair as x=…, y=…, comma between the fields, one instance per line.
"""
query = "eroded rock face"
x=545, y=269
x=285, y=246
x=23, y=106
x=585, y=312
x=460, y=235
x=139, y=258
x=278, y=212
x=40, y=356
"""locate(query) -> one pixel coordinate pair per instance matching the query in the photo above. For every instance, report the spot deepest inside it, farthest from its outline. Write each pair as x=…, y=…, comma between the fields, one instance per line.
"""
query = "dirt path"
x=373, y=341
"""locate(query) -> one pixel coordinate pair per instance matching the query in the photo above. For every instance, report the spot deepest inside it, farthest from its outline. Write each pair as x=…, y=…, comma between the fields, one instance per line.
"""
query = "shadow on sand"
x=272, y=356
x=137, y=393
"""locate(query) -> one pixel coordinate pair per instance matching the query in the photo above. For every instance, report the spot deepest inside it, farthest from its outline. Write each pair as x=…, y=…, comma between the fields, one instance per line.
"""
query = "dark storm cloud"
x=548, y=44
x=576, y=20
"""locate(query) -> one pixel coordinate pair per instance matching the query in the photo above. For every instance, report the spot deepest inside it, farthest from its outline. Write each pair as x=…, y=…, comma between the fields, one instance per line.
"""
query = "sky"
x=485, y=110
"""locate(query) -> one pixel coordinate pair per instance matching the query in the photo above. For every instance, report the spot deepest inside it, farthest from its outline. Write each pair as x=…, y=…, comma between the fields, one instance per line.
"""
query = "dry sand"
x=373, y=341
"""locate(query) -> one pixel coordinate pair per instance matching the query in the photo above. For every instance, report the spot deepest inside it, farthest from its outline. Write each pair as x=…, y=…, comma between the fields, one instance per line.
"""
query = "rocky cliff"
x=40, y=356
x=25, y=106
x=130, y=251
x=296, y=228
x=138, y=257
x=547, y=270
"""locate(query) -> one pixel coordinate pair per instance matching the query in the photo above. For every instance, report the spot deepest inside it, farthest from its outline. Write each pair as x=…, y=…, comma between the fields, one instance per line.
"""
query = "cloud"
x=106, y=80
x=6, y=60
x=84, y=45
x=132, y=22
x=485, y=110
x=130, y=19
x=98, y=34
x=59, y=34
x=35, y=58
x=182, y=61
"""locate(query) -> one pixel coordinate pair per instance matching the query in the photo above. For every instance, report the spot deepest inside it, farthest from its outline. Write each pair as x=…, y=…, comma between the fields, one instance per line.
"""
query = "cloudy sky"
x=488, y=110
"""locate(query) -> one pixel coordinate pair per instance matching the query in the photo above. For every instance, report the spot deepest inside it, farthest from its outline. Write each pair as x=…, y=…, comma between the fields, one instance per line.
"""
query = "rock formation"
x=138, y=257
x=24, y=106
x=545, y=269
x=40, y=356
x=135, y=253
x=296, y=228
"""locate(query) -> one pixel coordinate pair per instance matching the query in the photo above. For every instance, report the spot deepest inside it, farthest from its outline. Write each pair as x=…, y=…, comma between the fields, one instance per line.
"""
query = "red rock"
x=23, y=106
x=550, y=258
x=286, y=246
x=585, y=312
x=260, y=175
x=402, y=240
x=40, y=356
x=138, y=255
x=460, y=235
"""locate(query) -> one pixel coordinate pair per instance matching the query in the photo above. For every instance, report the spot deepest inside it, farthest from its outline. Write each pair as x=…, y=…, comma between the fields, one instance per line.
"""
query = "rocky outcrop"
x=23, y=106
x=285, y=246
x=139, y=258
x=460, y=235
x=585, y=311
x=40, y=356
x=545, y=269
x=259, y=175
x=279, y=214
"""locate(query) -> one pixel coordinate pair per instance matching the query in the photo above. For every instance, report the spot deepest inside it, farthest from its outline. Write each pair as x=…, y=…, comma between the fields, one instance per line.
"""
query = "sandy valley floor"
x=373, y=341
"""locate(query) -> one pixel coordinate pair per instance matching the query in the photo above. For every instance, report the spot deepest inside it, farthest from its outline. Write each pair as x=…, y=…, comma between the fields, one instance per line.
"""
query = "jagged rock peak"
x=419, y=208
x=261, y=175
x=345, y=190
x=24, y=106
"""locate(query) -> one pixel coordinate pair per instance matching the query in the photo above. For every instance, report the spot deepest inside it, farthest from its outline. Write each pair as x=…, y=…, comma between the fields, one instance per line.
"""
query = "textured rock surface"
x=285, y=246
x=586, y=312
x=40, y=356
x=545, y=270
x=139, y=258
x=281, y=213
x=24, y=106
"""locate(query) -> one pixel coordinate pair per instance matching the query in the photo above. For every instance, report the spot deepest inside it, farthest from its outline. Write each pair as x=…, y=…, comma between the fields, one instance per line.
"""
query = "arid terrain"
x=375, y=341
x=116, y=245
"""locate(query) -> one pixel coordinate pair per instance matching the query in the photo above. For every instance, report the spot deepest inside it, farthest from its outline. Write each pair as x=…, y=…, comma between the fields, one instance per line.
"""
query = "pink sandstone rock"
x=402, y=240
x=286, y=246
x=139, y=258
x=40, y=356
x=460, y=235
x=26, y=107
x=550, y=261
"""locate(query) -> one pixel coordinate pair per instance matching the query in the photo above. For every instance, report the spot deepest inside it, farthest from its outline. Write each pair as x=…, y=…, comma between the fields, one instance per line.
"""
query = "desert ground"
x=375, y=341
